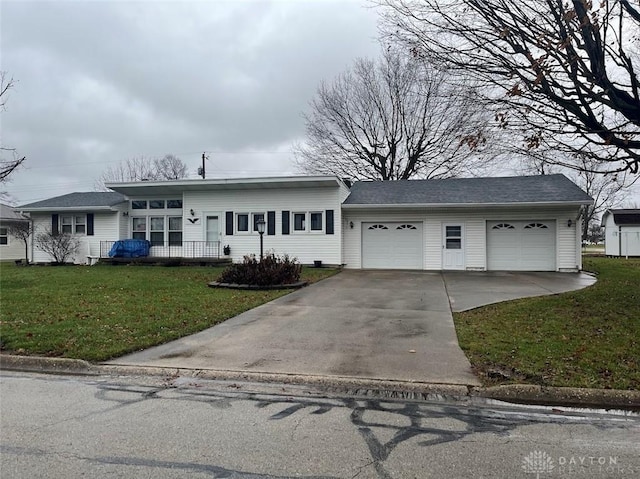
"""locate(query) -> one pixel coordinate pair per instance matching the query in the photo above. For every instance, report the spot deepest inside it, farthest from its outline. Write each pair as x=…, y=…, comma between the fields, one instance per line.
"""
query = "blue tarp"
x=130, y=248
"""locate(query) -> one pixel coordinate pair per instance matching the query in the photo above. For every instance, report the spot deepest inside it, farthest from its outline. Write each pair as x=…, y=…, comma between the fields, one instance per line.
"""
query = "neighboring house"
x=621, y=232
x=92, y=217
x=518, y=223
x=11, y=248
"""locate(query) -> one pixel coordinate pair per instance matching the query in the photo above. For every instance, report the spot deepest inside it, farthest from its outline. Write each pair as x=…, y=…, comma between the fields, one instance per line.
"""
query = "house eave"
x=70, y=209
x=348, y=206
x=175, y=187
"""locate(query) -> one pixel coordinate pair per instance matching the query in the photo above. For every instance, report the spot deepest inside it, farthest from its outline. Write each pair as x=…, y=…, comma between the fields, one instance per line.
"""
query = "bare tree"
x=7, y=166
x=169, y=167
x=60, y=246
x=608, y=190
x=564, y=72
x=23, y=231
x=392, y=119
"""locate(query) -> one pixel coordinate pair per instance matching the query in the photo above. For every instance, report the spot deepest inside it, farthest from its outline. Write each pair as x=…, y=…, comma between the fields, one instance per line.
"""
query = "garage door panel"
x=521, y=245
x=387, y=245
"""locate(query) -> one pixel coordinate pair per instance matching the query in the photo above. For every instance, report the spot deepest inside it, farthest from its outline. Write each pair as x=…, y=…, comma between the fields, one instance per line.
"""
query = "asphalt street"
x=102, y=426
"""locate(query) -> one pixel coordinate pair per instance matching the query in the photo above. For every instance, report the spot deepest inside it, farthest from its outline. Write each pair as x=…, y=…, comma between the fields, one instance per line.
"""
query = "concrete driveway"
x=394, y=325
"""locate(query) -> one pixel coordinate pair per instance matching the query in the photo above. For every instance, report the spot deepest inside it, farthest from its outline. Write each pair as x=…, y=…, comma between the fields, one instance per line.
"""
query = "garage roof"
x=516, y=190
x=94, y=200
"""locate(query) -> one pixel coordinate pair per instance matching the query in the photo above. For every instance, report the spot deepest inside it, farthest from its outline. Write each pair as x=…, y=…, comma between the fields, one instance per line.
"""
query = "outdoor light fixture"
x=193, y=213
x=260, y=224
x=569, y=223
x=351, y=224
x=125, y=213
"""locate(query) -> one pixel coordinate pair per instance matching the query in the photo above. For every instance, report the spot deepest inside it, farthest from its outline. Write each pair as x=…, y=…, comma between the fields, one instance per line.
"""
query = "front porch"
x=167, y=253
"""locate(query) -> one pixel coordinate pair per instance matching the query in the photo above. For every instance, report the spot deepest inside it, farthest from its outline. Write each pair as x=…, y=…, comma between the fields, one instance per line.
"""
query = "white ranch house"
x=529, y=223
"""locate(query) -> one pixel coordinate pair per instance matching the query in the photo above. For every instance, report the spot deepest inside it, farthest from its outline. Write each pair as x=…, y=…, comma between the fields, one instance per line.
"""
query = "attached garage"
x=521, y=245
x=392, y=245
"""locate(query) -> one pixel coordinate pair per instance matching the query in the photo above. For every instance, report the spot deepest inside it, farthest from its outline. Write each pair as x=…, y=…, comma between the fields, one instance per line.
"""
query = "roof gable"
x=89, y=200
x=543, y=189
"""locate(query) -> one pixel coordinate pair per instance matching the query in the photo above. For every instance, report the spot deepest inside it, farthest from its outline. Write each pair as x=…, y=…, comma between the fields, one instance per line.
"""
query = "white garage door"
x=388, y=245
x=521, y=245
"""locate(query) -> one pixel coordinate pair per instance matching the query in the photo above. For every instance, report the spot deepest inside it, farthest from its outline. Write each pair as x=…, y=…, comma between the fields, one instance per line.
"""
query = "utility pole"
x=201, y=170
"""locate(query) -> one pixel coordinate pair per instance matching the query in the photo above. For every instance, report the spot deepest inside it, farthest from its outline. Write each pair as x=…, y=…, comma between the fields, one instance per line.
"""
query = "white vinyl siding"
x=13, y=248
x=304, y=246
x=105, y=228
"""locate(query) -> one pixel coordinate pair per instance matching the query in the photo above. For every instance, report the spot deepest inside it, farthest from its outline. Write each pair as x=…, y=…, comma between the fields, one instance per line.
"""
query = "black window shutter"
x=229, y=223
x=89, y=224
x=329, y=219
x=285, y=222
x=54, y=224
x=271, y=223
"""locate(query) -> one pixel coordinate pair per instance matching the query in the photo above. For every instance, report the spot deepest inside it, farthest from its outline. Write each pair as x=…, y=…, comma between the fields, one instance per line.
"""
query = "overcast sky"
x=101, y=81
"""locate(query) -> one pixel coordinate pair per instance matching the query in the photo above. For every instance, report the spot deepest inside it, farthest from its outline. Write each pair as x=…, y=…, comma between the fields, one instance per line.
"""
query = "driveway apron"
x=393, y=325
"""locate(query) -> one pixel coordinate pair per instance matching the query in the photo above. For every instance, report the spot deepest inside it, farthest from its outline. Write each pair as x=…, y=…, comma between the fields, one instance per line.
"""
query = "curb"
x=513, y=393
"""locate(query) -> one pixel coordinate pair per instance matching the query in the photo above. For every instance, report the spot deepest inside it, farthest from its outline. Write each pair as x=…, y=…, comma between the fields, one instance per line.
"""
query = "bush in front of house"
x=271, y=271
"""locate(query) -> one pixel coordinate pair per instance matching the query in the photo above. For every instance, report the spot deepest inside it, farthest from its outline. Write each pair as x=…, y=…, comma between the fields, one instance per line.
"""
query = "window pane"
x=299, y=221
x=138, y=205
x=316, y=221
x=66, y=228
x=174, y=203
x=4, y=231
x=4, y=240
x=140, y=224
x=175, y=239
x=454, y=231
x=454, y=243
x=157, y=223
x=139, y=236
x=80, y=220
x=67, y=220
x=80, y=229
x=156, y=204
x=157, y=239
x=175, y=223
x=243, y=222
x=257, y=217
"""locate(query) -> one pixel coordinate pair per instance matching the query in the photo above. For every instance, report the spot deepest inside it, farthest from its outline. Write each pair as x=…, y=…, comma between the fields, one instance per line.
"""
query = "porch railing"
x=186, y=249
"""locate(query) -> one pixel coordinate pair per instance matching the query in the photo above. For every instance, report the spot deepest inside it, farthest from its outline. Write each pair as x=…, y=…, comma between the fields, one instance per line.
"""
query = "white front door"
x=212, y=235
x=453, y=246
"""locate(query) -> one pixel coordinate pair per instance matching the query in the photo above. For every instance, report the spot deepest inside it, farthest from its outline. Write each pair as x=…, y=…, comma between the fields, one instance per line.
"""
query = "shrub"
x=60, y=246
x=272, y=270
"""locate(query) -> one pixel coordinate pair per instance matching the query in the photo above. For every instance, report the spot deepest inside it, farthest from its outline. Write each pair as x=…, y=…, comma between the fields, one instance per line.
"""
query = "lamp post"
x=260, y=224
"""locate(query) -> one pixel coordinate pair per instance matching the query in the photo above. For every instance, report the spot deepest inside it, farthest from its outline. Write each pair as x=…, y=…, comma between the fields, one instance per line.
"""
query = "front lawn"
x=100, y=312
x=587, y=338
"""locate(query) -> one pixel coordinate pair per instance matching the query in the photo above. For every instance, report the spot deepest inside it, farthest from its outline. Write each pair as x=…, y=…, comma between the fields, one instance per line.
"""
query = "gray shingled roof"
x=93, y=199
x=629, y=216
x=8, y=213
x=462, y=191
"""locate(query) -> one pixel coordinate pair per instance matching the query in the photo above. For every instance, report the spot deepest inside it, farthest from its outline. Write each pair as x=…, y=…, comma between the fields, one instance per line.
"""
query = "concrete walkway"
x=393, y=325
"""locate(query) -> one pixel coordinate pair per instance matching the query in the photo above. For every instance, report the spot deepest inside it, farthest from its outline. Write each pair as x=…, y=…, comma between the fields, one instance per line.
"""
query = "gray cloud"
x=102, y=81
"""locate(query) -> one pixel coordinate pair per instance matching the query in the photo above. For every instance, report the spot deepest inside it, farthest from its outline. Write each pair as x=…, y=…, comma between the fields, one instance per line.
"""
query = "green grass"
x=587, y=338
x=100, y=312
